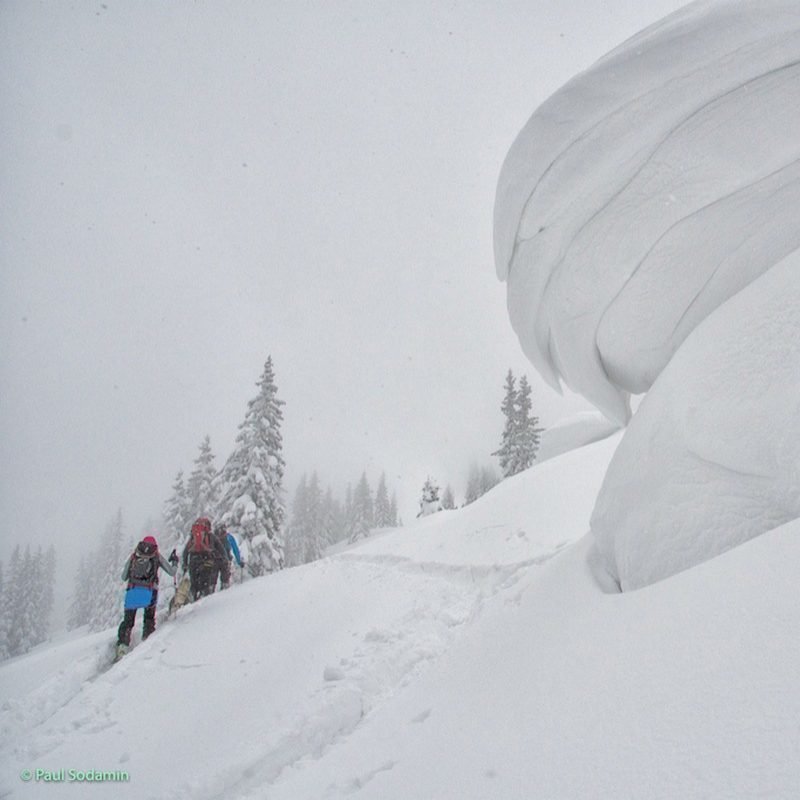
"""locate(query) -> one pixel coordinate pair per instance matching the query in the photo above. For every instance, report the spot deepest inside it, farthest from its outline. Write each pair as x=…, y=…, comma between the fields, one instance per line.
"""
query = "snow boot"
x=122, y=649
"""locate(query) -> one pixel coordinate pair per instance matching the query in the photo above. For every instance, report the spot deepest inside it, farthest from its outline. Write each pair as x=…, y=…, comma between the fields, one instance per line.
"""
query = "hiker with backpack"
x=231, y=550
x=202, y=557
x=141, y=573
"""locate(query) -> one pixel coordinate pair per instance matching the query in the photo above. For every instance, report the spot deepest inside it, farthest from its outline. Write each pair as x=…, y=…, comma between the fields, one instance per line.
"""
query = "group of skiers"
x=206, y=559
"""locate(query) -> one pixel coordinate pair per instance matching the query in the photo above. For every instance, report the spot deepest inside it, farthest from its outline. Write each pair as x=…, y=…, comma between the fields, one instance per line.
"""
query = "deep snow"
x=470, y=655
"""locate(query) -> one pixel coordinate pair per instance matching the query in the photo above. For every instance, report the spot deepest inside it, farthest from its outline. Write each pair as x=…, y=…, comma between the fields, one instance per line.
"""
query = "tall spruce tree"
x=448, y=498
x=505, y=452
x=430, y=502
x=201, y=488
x=176, y=515
x=333, y=518
x=107, y=584
x=3, y=629
x=383, y=506
x=527, y=436
x=520, y=439
x=479, y=481
x=11, y=609
x=362, y=517
x=251, y=502
x=295, y=528
x=81, y=602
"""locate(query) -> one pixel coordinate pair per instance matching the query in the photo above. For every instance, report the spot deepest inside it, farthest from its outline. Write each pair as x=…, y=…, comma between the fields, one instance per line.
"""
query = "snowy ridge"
x=645, y=222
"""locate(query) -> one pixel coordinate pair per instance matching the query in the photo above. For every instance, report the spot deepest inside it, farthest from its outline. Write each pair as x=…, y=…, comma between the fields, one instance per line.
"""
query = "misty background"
x=187, y=188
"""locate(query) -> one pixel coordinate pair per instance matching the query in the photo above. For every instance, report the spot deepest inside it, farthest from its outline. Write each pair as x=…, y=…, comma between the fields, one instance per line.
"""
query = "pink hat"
x=150, y=540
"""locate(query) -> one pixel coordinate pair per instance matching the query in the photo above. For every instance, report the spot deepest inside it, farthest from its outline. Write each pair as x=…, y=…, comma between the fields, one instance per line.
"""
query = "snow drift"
x=638, y=214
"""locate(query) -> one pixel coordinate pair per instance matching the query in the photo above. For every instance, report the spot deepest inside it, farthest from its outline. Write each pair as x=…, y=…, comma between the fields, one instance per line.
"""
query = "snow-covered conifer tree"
x=293, y=534
x=251, y=502
x=176, y=514
x=509, y=408
x=363, y=511
x=430, y=502
x=527, y=433
x=42, y=578
x=106, y=589
x=488, y=479
x=395, y=522
x=383, y=507
x=201, y=488
x=81, y=603
x=448, y=499
x=25, y=624
x=333, y=518
x=3, y=628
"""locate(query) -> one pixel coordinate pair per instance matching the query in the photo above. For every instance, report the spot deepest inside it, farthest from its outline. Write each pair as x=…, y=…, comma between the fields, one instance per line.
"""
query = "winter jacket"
x=162, y=562
x=232, y=547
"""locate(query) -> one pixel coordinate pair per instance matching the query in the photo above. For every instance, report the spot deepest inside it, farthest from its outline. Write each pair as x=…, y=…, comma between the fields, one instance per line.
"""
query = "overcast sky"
x=189, y=187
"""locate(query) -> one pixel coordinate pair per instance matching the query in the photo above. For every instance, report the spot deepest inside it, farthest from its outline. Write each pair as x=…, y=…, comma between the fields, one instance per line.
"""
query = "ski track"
x=28, y=730
x=387, y=661
x=384, y=661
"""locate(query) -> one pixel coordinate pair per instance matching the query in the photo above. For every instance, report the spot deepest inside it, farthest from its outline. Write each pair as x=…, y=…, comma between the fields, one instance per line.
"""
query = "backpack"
x=201, y=537
x=143, y=568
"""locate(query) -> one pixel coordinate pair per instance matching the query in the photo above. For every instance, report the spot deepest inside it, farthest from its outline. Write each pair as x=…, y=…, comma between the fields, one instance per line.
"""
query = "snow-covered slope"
x=470, y=655
x=246, y=684
x=649, y=208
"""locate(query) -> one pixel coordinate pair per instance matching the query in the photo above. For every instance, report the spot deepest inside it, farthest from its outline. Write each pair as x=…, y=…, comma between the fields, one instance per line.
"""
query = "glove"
x=173, y=557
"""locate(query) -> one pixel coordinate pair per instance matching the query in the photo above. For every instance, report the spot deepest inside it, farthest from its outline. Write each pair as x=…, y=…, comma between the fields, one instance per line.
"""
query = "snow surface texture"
x=215, y=705
x=470, y=655
x=641, y=212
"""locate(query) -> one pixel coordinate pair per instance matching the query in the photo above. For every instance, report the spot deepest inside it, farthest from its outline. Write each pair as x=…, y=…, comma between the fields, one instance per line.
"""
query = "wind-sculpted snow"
x=712, y=456
x=636, y=203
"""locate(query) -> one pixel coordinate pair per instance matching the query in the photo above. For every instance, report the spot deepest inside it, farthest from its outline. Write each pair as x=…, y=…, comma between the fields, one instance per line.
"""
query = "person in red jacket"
x=141, y=570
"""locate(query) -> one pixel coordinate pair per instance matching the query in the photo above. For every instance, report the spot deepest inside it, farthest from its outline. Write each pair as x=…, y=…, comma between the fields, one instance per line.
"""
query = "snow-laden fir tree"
x=395, y=522
x=306, y=534
x=383, y=506
x=520, y=439
x=527, y=437
x=480, y=480
x=430, y=502
x=201, y=487
x=26, y=602
x=251, y=502
x=3, y=622
x=42, y=579
x=26, y=622
x=80, y=606
x=176, y=515
x=448, y=498
x=362, y=512
x=10, y=614
x=505, y=453
x=333, y=518
x=293, y=535
x=106, y=584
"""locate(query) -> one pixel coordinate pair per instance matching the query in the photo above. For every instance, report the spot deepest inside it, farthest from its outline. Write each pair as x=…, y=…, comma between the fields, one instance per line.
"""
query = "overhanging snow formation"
x=649, y=190
x=638, y=203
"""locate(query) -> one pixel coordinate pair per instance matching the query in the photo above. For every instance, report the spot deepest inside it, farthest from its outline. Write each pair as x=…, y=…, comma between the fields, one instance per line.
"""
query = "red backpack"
x=201, y=536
